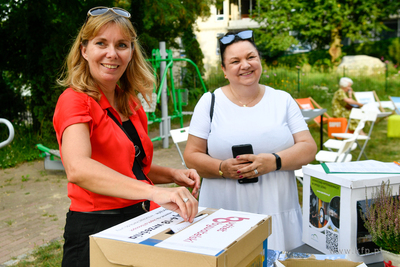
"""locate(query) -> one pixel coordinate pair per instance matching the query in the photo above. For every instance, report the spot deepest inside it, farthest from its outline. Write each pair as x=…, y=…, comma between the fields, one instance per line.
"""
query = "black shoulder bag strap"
x=211, y=113
x=137, y=167
x=212, y=107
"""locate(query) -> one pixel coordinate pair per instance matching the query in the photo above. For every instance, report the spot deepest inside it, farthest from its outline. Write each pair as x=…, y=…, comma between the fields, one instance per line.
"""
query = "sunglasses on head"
x=100, y=10
x=244, y=35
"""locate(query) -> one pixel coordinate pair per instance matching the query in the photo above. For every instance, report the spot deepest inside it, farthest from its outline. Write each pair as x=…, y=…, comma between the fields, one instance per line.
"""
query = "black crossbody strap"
x=137, y=167
x=212, y=106
x=117, y=122
x=211, y=113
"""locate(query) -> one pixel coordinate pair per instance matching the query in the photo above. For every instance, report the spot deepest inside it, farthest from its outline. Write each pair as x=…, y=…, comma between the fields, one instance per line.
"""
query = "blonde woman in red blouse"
x=102, y=133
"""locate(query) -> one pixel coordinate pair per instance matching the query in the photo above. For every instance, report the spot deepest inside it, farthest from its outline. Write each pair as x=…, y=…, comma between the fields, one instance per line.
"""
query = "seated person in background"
x=343, y=102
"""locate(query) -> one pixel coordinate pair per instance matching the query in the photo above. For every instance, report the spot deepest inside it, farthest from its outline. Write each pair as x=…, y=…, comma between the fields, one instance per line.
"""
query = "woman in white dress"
x=246, y=112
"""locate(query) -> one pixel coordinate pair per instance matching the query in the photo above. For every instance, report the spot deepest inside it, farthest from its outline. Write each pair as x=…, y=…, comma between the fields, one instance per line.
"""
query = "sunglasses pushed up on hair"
x=244, y=35
x=100, y=10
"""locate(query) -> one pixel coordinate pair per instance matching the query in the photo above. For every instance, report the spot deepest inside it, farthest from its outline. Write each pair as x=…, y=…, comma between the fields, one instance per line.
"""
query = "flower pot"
x=390, y=259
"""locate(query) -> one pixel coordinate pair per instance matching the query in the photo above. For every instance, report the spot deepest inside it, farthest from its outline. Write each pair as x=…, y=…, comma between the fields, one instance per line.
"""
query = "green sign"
x=324, y=190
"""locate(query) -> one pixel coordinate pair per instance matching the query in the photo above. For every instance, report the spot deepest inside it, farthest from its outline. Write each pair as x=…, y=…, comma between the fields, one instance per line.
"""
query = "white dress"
x=269, y=126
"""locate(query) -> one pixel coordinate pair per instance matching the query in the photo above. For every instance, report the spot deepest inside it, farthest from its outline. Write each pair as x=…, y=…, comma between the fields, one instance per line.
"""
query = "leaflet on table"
x=143, y=227
x=214, y=233
x=365, y=166
x=276, y=257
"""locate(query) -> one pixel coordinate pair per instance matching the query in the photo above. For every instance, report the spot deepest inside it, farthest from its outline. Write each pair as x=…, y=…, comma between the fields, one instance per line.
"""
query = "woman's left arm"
x=301, y=153
x=183, y=177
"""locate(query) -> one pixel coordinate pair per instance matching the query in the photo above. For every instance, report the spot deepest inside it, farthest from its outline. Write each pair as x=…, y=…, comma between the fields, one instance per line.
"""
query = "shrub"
x=382, y=218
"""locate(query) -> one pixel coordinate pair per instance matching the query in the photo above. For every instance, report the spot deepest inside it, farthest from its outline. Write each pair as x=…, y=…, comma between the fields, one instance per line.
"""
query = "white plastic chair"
x=370, y=116
x=10, y=132
x=371, y=102
x=178, y=136
x=334, y=144
x=396, y=103
x=299, y=175
x=343, y=153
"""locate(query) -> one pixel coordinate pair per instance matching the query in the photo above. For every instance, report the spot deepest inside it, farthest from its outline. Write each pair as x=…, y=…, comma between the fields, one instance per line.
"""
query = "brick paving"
x=33, y=204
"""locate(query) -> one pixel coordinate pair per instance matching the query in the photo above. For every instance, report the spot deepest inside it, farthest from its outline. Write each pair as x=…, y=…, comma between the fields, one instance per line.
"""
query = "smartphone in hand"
x=240, y=150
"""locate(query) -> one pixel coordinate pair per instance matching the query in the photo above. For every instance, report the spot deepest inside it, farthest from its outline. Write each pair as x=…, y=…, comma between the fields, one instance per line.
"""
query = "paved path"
x=33, y=204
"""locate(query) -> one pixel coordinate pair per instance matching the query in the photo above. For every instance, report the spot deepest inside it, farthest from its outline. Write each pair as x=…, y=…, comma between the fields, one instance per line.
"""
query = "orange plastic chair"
x=336, y=125
x=309, y=103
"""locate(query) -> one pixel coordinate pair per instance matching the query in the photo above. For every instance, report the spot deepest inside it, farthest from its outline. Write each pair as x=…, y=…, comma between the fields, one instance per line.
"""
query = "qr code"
x=332, y=241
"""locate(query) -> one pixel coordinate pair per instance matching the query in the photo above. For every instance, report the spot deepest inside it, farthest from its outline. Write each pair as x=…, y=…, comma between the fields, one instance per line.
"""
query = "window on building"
x=244, y=8
x=247, y=8
x=219, y=5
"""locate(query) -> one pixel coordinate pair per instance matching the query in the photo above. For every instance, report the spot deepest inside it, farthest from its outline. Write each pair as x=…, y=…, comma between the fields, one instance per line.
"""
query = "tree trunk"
x=335, y=49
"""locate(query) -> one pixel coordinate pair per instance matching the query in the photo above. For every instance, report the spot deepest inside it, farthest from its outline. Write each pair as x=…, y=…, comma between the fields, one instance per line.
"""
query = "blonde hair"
x=138, y=76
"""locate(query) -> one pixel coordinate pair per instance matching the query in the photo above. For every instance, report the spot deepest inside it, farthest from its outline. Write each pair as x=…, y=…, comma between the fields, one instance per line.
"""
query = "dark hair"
x=222, y=46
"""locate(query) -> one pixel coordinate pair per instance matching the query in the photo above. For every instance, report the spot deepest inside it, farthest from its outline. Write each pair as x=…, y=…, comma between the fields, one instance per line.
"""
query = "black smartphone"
x=240, y=150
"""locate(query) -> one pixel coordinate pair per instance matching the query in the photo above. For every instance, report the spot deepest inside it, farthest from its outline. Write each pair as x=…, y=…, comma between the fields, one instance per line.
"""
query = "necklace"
x=244, y=105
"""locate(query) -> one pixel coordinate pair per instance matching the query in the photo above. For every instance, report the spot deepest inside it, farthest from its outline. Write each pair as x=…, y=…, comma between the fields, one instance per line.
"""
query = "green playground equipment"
x=10, y=132
x=179, y=95
x=52, y=158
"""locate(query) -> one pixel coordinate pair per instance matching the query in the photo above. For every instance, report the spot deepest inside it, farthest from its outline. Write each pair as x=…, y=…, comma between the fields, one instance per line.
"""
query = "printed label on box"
x=213, y=234
x=324, y=218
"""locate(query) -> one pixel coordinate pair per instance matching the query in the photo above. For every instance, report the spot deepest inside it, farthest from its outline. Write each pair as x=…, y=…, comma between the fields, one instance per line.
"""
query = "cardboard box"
x=219, y=238
x=332, y=204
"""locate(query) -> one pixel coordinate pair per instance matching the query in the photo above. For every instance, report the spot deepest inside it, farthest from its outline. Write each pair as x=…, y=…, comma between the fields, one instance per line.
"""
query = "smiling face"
x=242, y=64
x=108, y=54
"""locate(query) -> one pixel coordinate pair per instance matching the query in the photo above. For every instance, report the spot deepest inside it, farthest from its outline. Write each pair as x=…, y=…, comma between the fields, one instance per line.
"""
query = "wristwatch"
x=278, y=161
x=219, y=171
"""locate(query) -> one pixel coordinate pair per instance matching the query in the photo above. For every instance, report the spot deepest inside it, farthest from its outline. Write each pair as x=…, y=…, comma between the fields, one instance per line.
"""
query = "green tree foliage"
x=320, y=23
x=194, y=53
x=165, y=20
x=394, y=50
x=11, y=100
x=37, y=35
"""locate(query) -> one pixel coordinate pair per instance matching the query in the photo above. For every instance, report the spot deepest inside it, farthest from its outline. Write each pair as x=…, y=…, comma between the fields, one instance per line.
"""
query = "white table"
x=310, y=114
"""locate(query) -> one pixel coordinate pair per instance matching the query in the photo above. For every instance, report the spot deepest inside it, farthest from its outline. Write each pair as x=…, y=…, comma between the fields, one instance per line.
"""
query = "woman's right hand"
x=350, y=93
x=230, y=168
x=174, y=199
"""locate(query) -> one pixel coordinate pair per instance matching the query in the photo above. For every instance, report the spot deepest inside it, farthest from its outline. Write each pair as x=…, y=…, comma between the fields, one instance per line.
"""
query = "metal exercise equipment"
x=163, y=61
x=52, y=158
x=10, y=132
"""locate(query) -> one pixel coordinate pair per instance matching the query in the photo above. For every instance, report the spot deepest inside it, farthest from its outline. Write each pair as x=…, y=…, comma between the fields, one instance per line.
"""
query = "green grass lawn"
x=49, y=255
